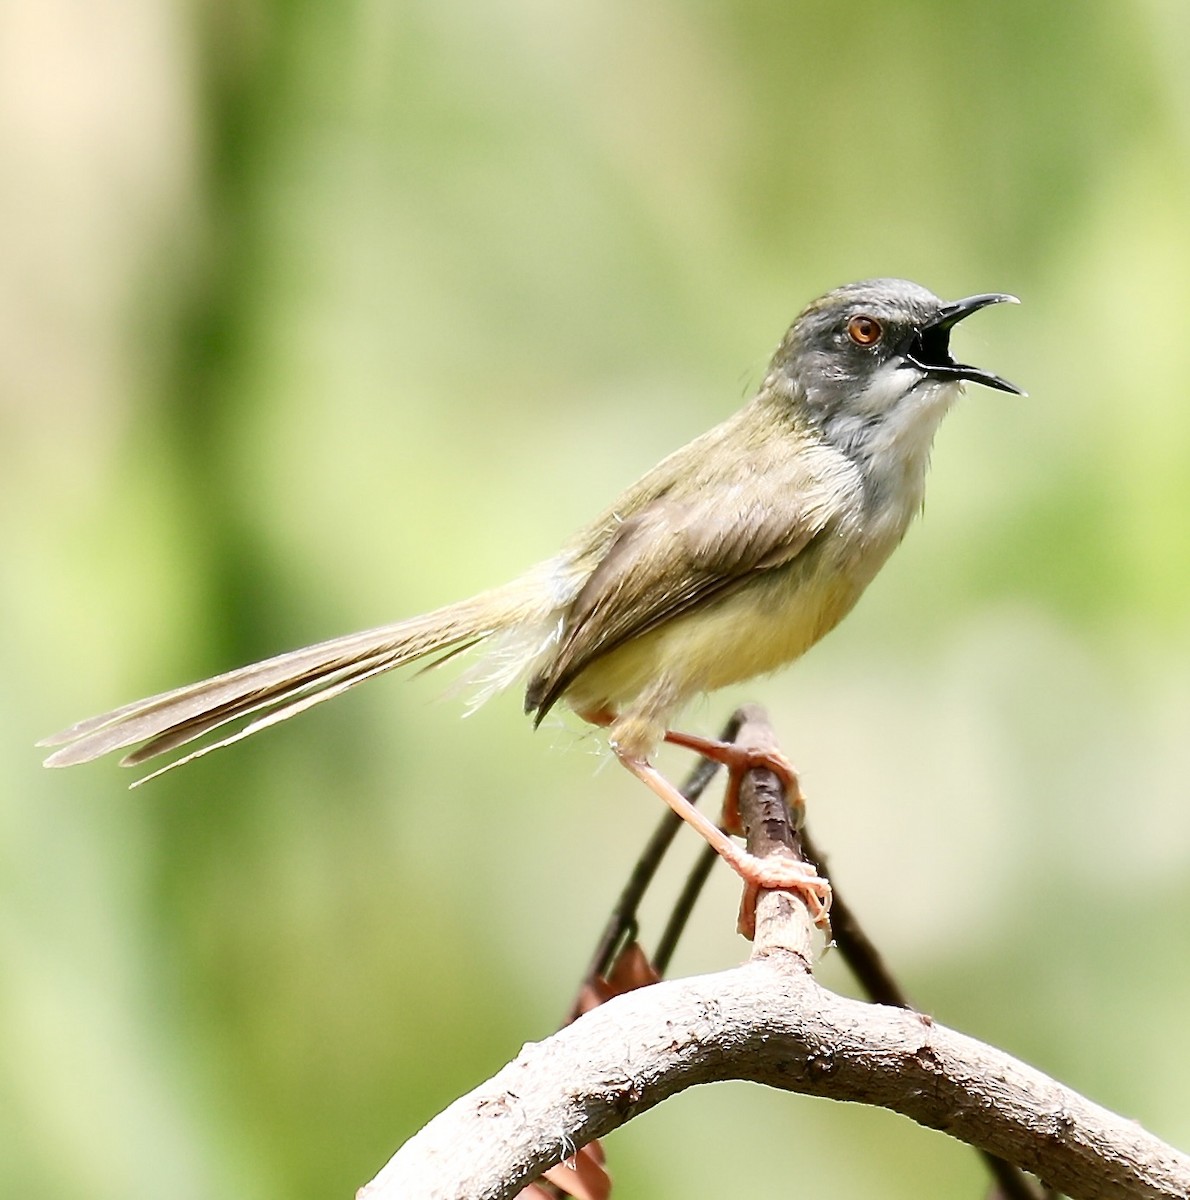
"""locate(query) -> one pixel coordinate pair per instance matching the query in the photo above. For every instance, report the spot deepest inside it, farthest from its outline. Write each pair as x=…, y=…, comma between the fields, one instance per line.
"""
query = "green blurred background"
x=316, y=315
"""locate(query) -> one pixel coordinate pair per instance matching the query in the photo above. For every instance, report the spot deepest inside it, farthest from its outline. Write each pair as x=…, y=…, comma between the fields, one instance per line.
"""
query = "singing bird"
x=728, y=559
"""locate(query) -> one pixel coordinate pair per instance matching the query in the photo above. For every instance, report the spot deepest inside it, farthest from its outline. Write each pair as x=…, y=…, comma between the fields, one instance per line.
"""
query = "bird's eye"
x=864, y=330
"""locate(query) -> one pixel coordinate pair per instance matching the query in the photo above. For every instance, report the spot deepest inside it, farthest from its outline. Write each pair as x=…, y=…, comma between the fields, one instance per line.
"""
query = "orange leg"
x=739, y=760
x=757, y=873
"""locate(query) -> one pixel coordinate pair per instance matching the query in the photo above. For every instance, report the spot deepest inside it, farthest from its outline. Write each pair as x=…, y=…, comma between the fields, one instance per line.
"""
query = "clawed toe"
x=783, y=874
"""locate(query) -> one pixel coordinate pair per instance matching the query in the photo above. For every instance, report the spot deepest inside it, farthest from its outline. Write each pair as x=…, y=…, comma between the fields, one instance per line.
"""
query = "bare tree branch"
x=771, y=1022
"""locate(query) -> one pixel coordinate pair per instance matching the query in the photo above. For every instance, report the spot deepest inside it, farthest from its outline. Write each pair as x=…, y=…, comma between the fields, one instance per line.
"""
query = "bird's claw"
x=786, y=875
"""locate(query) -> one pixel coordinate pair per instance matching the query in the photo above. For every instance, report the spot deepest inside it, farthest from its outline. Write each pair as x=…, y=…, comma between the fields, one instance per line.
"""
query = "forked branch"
x=771, y=1022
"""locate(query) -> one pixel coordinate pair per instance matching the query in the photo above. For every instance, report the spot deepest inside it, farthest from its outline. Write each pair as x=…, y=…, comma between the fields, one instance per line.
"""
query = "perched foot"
x=772, y=873
x=758, y=874
x=792, y=876
x=739, y=760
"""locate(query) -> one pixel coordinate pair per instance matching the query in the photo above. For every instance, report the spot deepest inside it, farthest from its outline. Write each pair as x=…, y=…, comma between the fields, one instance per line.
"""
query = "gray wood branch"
x=771, y=1022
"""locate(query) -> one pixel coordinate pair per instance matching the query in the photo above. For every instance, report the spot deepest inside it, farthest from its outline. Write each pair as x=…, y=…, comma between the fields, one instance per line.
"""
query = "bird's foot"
x=758, y=874
x=782, y=874
x=739, y=760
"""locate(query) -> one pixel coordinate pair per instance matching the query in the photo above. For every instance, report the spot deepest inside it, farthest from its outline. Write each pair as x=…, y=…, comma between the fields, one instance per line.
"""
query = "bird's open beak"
x=929, y=349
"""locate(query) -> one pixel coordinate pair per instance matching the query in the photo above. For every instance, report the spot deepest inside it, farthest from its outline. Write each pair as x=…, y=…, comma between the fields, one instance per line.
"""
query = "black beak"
x=929, y=348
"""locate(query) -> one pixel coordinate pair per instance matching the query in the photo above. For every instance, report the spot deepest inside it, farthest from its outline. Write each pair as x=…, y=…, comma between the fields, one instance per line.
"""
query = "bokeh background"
x=315, y=315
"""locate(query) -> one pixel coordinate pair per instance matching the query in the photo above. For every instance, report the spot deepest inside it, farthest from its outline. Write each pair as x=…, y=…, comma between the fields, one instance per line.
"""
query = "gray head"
x=878, y=349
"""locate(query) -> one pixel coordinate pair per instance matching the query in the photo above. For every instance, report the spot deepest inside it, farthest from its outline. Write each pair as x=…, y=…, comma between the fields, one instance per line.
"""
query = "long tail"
x=281, y=687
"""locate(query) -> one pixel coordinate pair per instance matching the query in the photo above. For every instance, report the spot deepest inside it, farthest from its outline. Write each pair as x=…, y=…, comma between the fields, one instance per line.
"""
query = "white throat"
x=889, y=432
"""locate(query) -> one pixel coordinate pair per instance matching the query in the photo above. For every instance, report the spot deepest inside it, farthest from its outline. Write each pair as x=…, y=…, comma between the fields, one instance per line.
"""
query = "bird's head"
x=877, y=349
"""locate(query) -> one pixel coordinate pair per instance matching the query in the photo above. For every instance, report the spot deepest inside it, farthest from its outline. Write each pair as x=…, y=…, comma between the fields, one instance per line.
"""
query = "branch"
x=769, y=1021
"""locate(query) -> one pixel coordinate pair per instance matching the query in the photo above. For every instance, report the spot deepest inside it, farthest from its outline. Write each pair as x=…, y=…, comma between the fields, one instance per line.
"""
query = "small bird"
x=730, y=558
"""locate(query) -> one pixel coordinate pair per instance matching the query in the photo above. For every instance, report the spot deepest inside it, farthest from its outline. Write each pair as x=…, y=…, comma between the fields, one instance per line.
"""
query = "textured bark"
x=771, y=1022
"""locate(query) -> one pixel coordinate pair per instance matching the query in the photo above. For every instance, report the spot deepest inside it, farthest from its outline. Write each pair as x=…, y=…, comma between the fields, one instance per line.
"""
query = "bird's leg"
x=757, y=873
x=739, y=760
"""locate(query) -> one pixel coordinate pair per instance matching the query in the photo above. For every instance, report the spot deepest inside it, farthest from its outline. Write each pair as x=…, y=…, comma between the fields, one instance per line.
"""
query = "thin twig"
x=683, y=907
x=856, y=949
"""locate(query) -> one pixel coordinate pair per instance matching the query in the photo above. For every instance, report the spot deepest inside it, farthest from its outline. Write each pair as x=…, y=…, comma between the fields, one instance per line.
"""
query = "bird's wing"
x=675, y=554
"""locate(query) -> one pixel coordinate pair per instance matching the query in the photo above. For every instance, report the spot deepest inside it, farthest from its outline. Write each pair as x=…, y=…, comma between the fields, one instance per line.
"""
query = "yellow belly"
x=765, y=624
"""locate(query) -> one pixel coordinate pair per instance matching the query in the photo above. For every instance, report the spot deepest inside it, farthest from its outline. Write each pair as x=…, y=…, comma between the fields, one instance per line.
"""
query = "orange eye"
x=864, y=330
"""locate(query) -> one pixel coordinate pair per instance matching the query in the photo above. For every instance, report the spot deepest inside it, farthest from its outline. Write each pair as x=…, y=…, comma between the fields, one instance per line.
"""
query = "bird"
x=727, y=560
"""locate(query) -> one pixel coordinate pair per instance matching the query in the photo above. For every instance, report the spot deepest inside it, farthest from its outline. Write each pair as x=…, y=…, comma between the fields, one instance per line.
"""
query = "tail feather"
x=185, y=731
x=275, y=717
x=281, y=687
